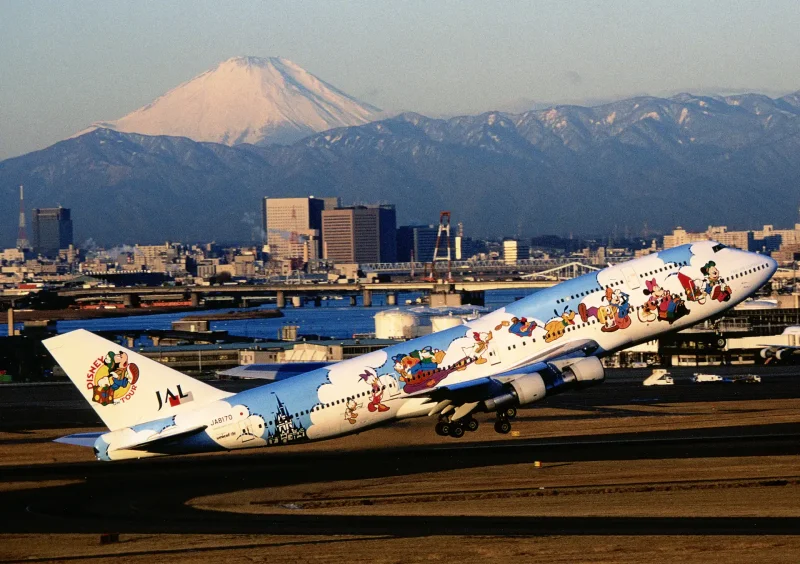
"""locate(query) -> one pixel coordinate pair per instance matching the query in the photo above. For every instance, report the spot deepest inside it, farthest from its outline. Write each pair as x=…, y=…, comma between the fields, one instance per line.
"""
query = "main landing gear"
x=504, y=417
x=456, y=429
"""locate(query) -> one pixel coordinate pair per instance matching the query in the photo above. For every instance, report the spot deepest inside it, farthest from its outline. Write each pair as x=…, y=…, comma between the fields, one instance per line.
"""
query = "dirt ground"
x=384, y=550
x=705, y=487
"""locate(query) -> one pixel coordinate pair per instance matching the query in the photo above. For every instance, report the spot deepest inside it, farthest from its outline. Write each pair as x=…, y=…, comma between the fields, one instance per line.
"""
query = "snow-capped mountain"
x=247, y=100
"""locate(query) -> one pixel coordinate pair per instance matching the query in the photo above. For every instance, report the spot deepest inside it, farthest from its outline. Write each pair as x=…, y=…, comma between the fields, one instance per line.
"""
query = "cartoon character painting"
x=481, y=346
x=114, y=379
x=376, y=397
x=350, y=411
x=409, y=365
x=713, y=285
x=661, y=304
x=376, y=393
x=519, y=326
x=555, y=327
x=422, y=369
x=612, y=317
x=694, y=291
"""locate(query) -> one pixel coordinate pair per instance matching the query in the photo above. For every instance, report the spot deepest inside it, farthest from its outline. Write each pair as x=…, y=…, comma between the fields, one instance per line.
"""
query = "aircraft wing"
x=462, y=398
x=778, y=352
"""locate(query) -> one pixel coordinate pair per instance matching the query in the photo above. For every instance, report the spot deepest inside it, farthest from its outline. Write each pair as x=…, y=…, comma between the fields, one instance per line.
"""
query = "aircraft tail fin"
x=124, y=387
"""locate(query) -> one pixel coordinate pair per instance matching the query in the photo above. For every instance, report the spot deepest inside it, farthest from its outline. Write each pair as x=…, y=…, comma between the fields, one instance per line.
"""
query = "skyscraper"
x=417, y=239
x=52, y=230
x=351, y=235
x=387, y=231
x=293, y=226
x=360, y=234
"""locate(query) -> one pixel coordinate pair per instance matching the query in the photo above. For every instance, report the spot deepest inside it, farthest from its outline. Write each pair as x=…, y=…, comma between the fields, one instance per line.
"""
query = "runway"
x=60, y=405
x=152, y=496
x=149, y=496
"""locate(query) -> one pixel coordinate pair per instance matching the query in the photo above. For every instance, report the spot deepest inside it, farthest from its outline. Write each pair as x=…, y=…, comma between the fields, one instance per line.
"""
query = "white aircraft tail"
x=124, y=387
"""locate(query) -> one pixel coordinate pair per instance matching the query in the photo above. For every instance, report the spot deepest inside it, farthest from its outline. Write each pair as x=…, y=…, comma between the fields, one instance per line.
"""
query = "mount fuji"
x=247, y=100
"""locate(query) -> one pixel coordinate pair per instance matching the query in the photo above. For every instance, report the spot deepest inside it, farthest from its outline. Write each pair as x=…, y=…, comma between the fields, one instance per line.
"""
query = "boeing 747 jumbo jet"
x=544, y=344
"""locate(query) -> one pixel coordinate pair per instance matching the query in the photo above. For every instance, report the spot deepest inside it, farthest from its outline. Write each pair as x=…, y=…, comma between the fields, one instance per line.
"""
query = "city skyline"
x=76, y=63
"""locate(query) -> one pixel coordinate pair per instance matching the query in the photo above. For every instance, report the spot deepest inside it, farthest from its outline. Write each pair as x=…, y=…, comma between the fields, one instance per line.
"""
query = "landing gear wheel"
x=502, y=426
x=471, y=425
x=510, y=412
x=442, y=428
x=456, y=431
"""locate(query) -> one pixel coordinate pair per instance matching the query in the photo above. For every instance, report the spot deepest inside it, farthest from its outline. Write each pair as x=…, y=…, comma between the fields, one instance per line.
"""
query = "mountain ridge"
x=687, y=160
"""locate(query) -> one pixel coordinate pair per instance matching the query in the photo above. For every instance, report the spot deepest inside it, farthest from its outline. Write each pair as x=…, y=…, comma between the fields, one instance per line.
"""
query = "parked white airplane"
x=544, y=344
x=783, y=351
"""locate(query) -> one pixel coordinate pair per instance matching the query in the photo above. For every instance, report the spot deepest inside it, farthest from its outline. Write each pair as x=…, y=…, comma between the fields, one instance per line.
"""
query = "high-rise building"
x=417, y=239
x=52, y=230
x=514, y=250
x=293, y=226
x=387, y=231
x=351, y=234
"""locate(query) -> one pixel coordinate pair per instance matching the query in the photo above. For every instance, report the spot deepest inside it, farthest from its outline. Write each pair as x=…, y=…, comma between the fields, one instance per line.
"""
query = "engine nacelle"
x=559, y=376
x=586, y=372
x=779, y=354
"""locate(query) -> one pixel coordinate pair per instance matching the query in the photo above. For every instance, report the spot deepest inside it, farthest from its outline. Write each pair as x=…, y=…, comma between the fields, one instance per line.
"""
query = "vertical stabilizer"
x=124, y=387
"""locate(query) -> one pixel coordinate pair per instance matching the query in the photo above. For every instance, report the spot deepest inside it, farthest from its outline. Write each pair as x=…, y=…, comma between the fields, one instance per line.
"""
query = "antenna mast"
x=22, y=235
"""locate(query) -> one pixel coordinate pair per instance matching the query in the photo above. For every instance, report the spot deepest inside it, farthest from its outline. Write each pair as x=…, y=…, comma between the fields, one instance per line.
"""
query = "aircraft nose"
x=773, y=265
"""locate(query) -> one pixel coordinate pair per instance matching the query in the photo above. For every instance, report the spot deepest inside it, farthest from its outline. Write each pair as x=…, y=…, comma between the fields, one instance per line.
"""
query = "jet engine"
x=778, y=354
x=560, y=376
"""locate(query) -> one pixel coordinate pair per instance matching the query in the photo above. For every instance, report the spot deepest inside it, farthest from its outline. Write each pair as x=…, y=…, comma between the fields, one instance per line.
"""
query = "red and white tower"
x=22, y=235
x=442, y=240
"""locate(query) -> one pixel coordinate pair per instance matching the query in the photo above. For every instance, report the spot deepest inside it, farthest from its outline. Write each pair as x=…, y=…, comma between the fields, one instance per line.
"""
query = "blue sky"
x=66, y=64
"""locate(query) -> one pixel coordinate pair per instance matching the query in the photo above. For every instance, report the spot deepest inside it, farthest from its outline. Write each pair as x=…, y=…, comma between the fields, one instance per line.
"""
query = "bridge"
x=242, y=293
x=461, y=267
x=562, y=272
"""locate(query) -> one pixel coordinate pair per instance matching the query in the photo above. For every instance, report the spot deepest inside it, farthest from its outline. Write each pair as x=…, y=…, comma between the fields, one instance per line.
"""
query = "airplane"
x=787, y=351
x=544, y=344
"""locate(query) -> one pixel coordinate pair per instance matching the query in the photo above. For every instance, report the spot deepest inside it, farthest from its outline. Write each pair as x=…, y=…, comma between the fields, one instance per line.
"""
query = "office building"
x=352, y=235
x=52, y=230
x=387, y=231
x=514, y=251
x=293, y=225
x=419, y=240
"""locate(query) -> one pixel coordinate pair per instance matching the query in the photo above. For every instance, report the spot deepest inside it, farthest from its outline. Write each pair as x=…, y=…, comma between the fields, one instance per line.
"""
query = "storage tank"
x=396, y=324
x=442, y=322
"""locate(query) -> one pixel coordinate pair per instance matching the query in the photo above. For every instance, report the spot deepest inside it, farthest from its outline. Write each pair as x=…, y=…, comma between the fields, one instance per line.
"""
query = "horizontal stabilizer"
x=273, y=371
x=80, y=439
x=167, y=434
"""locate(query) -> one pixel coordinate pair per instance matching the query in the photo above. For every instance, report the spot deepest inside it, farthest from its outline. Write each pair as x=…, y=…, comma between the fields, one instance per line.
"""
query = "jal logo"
x=173, y=399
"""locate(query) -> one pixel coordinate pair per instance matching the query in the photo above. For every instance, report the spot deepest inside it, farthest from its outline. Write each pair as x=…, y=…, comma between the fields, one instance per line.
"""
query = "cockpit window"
x=718, y=247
